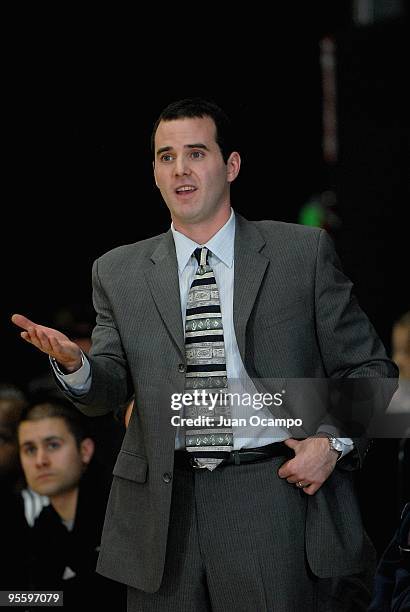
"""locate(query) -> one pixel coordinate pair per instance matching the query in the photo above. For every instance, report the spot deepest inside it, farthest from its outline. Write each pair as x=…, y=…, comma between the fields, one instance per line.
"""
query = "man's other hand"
x=50, y=341
x=313, y=463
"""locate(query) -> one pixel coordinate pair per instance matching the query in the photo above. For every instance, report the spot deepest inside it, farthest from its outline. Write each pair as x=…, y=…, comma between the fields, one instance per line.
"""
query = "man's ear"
x=233, y=165
x=87, y=450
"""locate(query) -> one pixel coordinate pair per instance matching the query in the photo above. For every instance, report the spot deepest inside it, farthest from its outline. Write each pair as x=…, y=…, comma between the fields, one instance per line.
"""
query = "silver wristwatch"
x=334, y=443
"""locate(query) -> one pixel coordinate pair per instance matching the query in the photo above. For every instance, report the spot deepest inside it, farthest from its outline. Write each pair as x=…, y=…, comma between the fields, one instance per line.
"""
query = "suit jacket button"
x=181, y=368
x=167, y=477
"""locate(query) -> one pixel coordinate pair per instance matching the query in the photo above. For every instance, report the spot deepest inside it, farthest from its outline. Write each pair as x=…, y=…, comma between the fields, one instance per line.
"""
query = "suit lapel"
x=250, y=266
x=163, y=281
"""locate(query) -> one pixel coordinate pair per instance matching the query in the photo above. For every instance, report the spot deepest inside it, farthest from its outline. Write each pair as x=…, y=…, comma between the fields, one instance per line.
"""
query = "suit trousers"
x=236, y=542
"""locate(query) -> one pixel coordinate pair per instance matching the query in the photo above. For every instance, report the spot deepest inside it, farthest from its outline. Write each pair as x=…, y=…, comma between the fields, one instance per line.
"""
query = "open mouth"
x=185, y=191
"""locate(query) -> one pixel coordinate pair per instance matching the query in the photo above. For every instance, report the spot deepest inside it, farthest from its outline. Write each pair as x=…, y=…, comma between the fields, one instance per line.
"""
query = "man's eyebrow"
x=163, y=149
x=27, y=443
x=32, y=443
x=196, y=145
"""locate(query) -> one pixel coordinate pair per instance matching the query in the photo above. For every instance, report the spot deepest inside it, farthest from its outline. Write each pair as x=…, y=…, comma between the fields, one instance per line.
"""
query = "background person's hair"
x=56, y=408
x=12, y=402
x=191, y=108
x=11, y=393
x=404, y=320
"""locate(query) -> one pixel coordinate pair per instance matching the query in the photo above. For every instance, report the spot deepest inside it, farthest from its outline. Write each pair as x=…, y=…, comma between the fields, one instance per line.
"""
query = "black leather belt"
x=183, y=459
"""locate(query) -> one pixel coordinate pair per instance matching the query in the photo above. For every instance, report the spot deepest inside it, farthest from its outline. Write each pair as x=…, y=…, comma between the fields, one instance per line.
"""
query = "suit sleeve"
x=110, y=380
x=350, y=348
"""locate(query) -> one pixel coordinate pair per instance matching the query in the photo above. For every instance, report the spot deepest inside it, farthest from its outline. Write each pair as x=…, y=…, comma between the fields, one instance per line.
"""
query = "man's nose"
x=42, y=457
x=181, y=167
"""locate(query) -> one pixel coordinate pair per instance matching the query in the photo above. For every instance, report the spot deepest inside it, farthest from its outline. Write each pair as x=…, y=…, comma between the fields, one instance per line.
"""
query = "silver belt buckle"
x=196, y=465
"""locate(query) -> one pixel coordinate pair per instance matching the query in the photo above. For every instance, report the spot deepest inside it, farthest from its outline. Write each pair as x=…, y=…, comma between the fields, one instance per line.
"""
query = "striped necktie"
x=208, y=438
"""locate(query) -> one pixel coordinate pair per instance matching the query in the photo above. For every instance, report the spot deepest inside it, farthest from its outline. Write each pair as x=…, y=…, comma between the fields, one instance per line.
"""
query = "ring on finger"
x=300, y=485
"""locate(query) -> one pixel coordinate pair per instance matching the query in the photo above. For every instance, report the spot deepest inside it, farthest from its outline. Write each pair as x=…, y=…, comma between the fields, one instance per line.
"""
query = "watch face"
x=336, y=444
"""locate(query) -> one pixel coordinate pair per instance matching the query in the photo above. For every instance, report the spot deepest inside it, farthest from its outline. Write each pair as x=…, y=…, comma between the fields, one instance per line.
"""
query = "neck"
x=203, y=231
x=65, y=504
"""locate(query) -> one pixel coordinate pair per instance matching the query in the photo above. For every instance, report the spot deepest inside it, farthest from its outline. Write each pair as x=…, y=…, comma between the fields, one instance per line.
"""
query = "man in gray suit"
x=273, y=522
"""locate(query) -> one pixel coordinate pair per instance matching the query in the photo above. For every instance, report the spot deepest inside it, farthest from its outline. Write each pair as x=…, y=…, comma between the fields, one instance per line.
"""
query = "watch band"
x=332, y=442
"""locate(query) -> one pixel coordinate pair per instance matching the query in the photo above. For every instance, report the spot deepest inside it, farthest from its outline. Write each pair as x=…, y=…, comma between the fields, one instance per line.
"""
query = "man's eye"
x=166, y=157
x=197, y=154
x=30, y=450
x=53, y=445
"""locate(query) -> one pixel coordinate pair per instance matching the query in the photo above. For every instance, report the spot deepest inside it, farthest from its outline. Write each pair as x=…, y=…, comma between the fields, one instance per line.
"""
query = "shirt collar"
x=221, y=244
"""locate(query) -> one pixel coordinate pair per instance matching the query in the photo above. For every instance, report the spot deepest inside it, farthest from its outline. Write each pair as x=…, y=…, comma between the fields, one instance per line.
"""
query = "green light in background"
x=312, y=214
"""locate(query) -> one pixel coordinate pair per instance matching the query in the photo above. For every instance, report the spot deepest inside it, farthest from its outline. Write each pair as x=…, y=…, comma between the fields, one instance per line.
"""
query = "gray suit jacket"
x=294, y=316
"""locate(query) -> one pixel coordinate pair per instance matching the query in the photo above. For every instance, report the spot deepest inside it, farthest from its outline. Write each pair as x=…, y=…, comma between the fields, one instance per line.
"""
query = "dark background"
x=77, y=164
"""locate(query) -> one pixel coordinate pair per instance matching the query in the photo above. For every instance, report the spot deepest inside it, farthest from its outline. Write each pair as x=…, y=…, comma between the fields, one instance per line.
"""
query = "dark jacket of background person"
x=55, y=549
x=392, y=580
x=14, y=538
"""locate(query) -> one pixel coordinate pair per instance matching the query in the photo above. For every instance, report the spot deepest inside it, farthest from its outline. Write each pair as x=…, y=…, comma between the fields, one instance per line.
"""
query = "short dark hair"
x=62, y=409
x=199, y=107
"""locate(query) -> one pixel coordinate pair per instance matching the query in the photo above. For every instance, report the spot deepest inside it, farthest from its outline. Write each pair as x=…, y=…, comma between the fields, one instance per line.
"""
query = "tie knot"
x=201, y=255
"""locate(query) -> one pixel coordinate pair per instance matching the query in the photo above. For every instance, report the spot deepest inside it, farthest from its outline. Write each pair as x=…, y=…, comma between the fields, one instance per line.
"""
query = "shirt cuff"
x=78, y=382
x=348, y=446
